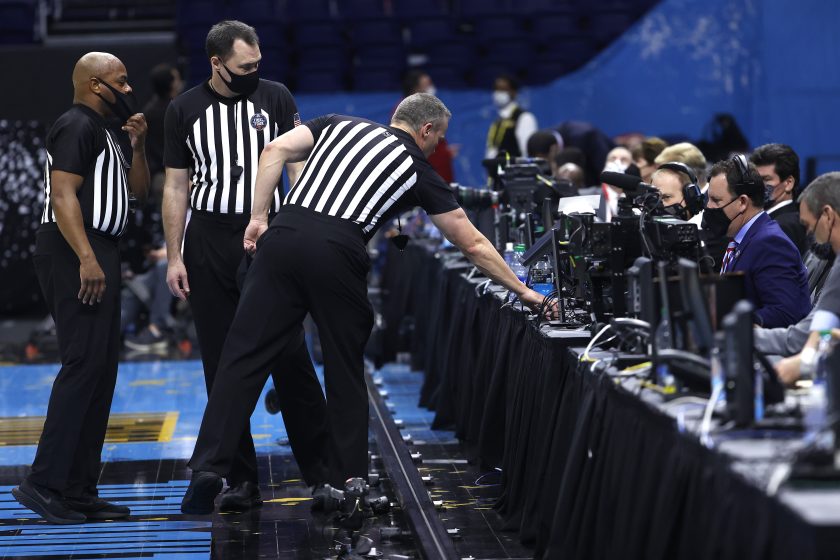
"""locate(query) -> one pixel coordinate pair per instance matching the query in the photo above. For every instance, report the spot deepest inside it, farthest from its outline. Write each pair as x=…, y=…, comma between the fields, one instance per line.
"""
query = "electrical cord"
x=478, y=480
x=481, y=289
x=585, y=356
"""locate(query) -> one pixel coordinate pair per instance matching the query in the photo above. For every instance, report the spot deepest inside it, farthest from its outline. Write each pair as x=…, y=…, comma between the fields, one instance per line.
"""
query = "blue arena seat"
x=320, y=81
x=429, y=31
x=375, y=32
x=409, y=9
x=377, y=79
x=323, y=58
x=308, y=10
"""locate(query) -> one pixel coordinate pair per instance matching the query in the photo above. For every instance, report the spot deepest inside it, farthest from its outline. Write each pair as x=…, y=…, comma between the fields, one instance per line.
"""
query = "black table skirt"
x=588, y=469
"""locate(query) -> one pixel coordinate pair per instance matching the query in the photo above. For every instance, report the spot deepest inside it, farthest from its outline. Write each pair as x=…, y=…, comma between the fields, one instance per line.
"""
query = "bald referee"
x=313, y=260
x=77, y=260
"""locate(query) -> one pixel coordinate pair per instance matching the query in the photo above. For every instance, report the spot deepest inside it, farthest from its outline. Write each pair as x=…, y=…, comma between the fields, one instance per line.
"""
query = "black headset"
x=744, y=186
x=695, y=199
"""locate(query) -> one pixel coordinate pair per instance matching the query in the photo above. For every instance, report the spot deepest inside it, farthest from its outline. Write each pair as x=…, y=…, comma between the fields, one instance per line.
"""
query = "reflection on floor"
x=468, y=494
x=155, y=416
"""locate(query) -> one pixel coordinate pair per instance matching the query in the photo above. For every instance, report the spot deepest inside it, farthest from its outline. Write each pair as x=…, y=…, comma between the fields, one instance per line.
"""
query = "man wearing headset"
x=678, y=188
x=775, y=280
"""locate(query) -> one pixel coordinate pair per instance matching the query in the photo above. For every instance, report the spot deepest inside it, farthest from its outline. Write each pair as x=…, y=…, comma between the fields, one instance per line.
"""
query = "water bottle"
x=718, y=379
x=814, y=413
x=508, y=254
x=516, y=266
x=662, y=339
x=542, y=277
x=823, y=350
x=758, y=397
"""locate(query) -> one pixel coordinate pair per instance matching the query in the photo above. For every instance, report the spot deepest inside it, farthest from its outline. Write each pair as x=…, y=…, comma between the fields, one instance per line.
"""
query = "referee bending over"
x=313, y=260
x=77, y=261
x=214, y=136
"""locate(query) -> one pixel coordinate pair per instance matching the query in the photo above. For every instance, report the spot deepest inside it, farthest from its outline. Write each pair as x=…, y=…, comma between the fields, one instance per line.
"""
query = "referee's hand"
x=537, y=303
x=176, y=279
x=253, y=232
x=92, y=281
x=136, y=127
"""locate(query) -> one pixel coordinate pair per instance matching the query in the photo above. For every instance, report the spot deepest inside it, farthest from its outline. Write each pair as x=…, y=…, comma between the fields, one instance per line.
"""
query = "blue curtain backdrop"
x=773, y=64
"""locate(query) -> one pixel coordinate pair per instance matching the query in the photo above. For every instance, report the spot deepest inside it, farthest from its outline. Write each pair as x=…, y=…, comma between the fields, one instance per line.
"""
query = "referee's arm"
x=293, y=171
x=138, y=175
x=176, y=198
x=458, y=229
x=68, y=215
x=291, y=147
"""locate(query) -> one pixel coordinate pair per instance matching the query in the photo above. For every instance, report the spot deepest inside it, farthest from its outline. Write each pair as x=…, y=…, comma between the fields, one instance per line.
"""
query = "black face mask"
x=715, y=221
x=769, y=202
x=821, y=250
x=678, y=211
x=243, y=84
x=125, y=104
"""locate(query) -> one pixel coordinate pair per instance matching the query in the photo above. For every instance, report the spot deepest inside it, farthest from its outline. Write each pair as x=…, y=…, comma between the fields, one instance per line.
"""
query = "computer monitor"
x=738, y=364
x=641, y=298
x=695, y=307
x=540, y=247
x=664, y=301
x=724, y=291
x=833, y=393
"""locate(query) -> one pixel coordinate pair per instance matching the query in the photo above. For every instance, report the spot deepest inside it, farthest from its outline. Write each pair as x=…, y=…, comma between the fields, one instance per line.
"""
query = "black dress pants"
x=70, y=449
x=305, y=263
x=212, y=255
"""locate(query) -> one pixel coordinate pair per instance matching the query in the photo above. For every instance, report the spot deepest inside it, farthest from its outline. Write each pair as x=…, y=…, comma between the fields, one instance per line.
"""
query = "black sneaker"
x=94, y=507
x=325, y=498
x=241, y=497
x=46, y=503
x=204, y=487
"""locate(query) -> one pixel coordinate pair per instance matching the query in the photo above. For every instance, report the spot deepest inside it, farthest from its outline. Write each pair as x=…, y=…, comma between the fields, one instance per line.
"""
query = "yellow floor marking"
x=147, y=382
x=287, y=501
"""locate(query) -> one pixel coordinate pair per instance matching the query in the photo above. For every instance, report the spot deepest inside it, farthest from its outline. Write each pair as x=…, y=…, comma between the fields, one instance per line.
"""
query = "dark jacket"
x=775, y=280
x=788, y=219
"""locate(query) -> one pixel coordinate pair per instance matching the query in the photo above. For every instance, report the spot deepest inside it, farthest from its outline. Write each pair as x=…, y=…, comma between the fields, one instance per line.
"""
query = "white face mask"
x=615, y=166
x=501, y=98
x=432, y=90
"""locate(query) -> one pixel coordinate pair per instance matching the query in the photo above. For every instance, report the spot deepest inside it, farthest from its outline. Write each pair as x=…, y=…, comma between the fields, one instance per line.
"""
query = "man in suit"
x=775, y=280
x=778, y=166
x=820, y=204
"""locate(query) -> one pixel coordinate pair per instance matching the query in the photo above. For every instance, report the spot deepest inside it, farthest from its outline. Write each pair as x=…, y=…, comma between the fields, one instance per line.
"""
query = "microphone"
x=628, y=183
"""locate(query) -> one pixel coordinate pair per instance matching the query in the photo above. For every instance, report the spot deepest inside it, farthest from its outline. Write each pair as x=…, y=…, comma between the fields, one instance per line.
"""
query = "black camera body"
x=672, y=238
x=474, y=198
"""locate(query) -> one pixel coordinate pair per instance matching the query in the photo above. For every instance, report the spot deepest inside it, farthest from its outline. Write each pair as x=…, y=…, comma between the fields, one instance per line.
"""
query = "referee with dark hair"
x=77, y=260
x=313, y=260
x=215, y=134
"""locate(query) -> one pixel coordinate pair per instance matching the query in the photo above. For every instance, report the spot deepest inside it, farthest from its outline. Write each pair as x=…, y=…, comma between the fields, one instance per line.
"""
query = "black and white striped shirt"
x=212, y=135
x=80, y=143
x=366, y=172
